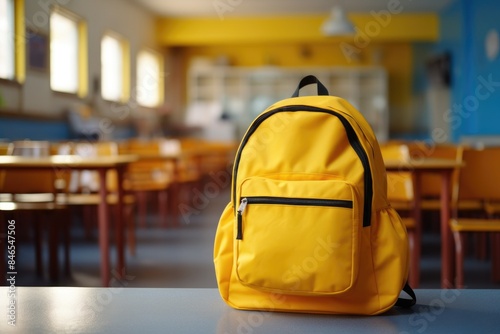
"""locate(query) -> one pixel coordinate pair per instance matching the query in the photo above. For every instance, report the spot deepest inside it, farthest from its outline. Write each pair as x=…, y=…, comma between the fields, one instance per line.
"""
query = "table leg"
x=103, y=215
x=175, y=193
x=163, y=209
x=67, y=240
x=446, y=237
x=53, y=250
x=119, y=225
x=38, y=246
x=495, y=256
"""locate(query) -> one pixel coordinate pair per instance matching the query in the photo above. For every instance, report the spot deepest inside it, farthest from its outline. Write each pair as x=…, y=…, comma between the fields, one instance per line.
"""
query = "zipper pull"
x=243, y=205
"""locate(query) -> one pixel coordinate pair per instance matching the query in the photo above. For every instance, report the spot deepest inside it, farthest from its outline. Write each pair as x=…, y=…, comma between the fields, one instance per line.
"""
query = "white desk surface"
x=160, y=310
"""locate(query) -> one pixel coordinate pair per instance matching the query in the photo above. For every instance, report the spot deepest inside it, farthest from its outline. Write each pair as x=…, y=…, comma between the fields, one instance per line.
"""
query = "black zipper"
x=339, y=203
x=299, y=201
x=351, y=135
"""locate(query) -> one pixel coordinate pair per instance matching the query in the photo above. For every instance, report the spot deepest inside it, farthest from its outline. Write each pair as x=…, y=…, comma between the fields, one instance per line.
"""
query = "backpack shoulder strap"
x=407, y=303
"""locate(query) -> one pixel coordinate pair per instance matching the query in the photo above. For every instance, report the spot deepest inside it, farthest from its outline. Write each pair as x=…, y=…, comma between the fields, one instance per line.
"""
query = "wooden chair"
x=400, y=183
x=190, y=165
x=4, y=148
x=218, y=157
x=401, y=195
x=35, y=192
x=149, y=175
x=185, y=172
x=478, y=181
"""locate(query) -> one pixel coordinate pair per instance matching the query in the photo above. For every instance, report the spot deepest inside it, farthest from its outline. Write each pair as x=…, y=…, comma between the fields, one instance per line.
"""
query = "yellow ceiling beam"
x=369, y=27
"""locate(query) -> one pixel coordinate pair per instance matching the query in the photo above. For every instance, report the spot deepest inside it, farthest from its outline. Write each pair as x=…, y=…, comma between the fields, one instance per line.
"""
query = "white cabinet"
x=242, y=93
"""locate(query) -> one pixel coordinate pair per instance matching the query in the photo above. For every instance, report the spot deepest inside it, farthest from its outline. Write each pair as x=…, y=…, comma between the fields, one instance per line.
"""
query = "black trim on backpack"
x=407, y=303
x=353, y=140
x=308, y=80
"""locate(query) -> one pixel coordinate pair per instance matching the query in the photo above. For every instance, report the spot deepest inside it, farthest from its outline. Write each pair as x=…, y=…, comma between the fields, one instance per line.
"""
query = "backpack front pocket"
x=297, y=236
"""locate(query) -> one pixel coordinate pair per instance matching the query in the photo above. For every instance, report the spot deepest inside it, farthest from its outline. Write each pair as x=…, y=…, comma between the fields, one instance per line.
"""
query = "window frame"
x=125, y=46
x=161, y=77
x=82, y=52
x=19, y=45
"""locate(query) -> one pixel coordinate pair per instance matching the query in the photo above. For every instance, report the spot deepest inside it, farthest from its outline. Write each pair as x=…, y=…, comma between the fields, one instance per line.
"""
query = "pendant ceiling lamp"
x=337, y=23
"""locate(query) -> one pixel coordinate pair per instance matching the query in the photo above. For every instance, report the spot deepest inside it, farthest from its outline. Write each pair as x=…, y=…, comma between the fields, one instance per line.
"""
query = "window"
x=7, y=52
x=68, y=63
x=12, y=46
x=149, y=79
x=115, y=66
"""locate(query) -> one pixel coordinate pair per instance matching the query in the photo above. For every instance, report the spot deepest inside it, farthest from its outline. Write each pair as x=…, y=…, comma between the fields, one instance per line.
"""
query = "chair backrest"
x=400, y=183
x=152, y=146
x=28, y=181
x=421, y=149
x=145, y=174
x=30, y=148
x=138, y=146
x=95, y=149
x=479, y=178
x=90, y=180
x=4, y=149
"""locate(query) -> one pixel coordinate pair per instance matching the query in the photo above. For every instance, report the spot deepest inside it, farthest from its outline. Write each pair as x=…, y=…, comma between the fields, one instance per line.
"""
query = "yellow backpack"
x=309, y=227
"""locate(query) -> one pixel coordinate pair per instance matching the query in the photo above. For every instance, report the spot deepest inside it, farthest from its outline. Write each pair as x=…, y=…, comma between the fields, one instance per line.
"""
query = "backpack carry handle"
x=308, y=80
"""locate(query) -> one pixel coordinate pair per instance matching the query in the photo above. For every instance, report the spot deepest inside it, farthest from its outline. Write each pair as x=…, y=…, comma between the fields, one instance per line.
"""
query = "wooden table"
x=160, y=310
x=445, y=168
x=66, y=163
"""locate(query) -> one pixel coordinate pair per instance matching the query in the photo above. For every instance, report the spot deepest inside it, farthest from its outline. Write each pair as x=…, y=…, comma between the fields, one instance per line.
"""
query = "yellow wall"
x=297, y=41
x=280, y=54
x=214, y=31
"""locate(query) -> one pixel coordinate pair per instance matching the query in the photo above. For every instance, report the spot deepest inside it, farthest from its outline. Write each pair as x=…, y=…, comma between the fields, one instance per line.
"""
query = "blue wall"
x=19, y=129
x=486, y=16
x=421, y=52
x=475, y=105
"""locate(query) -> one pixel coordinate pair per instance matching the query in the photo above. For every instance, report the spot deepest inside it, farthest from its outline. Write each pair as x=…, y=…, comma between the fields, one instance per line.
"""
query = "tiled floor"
x=182, y=257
